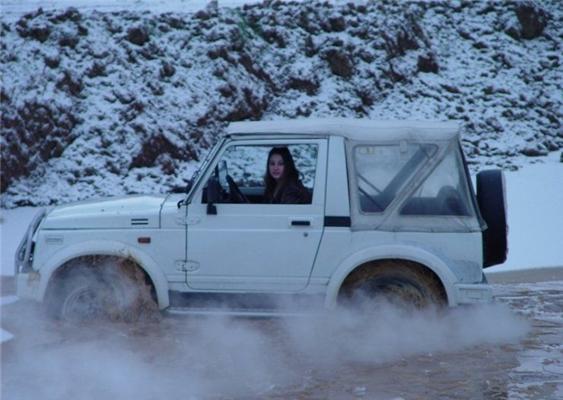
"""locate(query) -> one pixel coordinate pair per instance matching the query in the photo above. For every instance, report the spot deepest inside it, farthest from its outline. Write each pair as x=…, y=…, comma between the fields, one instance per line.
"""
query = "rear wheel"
x=403, y=284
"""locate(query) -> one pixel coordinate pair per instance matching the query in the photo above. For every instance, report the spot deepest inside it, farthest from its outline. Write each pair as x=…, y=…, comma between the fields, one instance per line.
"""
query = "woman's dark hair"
x=290, y=173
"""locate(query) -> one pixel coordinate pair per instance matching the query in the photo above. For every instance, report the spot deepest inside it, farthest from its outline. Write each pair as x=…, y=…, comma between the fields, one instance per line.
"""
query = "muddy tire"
x=85, y=295
x=403, y=284
x=111, y=290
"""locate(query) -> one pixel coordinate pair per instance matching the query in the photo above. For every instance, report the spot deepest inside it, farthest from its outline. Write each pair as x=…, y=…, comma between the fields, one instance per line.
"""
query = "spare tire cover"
x=491, y=197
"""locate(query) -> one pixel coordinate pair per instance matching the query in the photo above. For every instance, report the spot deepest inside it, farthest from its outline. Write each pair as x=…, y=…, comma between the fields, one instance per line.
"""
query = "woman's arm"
x=295, y=194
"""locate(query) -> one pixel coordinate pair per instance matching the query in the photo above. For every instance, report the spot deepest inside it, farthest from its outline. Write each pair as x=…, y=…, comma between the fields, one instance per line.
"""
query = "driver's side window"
x=240, y=174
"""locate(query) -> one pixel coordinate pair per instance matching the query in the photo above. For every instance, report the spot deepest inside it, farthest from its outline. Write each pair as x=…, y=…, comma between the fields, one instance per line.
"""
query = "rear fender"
x=397, y=252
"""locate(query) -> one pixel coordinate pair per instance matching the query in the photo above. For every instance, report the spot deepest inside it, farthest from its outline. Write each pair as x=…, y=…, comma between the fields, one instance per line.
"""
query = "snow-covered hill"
x=102, y=103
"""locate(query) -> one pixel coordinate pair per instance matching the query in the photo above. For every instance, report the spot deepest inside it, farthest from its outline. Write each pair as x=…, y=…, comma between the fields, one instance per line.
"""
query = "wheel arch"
x=49, y=268
x=425, y=258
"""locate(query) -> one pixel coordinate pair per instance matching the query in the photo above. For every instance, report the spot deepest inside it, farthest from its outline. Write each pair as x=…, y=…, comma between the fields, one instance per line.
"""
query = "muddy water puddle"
x=512, y=350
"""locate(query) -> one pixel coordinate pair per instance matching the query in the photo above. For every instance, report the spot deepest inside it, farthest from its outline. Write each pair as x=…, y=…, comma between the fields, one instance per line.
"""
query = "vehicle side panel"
x=337, y=201
x=453, y=264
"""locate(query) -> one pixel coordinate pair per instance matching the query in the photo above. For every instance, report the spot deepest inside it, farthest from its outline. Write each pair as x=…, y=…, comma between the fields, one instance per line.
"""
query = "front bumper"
x=27, y=286
x=477, y=293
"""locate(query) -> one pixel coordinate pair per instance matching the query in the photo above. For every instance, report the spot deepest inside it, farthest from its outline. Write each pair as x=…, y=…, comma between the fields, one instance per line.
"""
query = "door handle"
x=300, y=223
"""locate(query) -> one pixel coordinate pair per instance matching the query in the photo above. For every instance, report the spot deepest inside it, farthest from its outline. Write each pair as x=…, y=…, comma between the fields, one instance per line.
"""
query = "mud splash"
x=341, y=355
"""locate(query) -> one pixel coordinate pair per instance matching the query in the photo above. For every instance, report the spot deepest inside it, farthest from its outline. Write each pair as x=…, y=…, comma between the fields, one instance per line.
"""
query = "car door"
x=257, y=246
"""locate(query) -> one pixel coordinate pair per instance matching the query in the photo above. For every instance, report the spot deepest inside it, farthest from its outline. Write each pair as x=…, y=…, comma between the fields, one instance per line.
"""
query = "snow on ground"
x=535, y=195
x=13, y=224
x=535, y=218
x=511, y=349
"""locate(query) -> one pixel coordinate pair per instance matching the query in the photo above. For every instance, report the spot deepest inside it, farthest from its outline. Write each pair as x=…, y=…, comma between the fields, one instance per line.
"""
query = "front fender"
x=409, y=253
x=106, y=248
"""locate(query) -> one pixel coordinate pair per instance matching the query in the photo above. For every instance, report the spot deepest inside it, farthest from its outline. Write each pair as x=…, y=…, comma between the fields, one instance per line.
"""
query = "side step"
x=240, y=312
x=250, y=305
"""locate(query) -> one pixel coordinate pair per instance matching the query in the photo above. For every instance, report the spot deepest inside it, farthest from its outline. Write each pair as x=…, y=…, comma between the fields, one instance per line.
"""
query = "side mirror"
x=213, y=194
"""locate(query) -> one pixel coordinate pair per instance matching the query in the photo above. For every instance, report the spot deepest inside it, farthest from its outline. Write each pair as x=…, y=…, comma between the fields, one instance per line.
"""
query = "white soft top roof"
x=355, y=129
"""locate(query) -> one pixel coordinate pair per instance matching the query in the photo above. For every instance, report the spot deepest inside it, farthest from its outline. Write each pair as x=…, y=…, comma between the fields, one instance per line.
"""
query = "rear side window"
x=383, y=170
x=444, y=192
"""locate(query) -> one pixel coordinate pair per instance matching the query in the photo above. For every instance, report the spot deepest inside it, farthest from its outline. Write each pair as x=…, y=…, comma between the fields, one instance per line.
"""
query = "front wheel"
x=86, y=298
x=109, y=289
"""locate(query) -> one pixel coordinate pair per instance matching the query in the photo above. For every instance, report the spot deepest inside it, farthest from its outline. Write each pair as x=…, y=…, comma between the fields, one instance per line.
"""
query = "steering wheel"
x=235, y=194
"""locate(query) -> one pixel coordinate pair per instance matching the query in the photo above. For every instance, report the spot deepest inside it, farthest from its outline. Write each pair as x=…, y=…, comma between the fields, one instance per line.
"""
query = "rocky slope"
x=99, y=103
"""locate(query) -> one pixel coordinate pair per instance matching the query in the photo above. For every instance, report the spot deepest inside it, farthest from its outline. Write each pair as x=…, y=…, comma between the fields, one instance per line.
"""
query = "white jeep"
x=393, y=215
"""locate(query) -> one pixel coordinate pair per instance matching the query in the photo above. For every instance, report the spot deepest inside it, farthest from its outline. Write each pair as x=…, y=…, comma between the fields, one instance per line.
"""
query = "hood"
x=133, y=212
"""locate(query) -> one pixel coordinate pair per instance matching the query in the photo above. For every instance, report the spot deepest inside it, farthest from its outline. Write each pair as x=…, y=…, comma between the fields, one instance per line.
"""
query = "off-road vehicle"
x=392, y=215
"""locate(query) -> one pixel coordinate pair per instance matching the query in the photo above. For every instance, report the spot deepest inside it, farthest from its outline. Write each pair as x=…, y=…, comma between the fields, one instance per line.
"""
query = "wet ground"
x=512, y=350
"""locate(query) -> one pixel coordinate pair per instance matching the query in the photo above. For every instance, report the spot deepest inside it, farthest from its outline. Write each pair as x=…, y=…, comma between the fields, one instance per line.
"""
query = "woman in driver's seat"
x=282, y=179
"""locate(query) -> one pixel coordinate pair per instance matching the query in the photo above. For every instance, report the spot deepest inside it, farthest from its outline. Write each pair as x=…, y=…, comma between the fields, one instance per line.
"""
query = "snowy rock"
x=108, y=103
x=70, y=14
x=335, y=24
x=309, y=86
x=96, y=69
x=152, y=149
x=70, y=82
x=513, y=31
x=427, y=63
x=167, y=70
x=52, y=60
x=534, y=151
x=210, y=11
x=138, y=35
x=38, y=32
x=69, y=39
x=533, y=19
x=339, y=62
x=32, y=133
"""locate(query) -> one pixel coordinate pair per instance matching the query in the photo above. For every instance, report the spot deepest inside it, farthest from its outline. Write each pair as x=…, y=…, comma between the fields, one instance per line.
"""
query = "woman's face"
x=276, y=166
